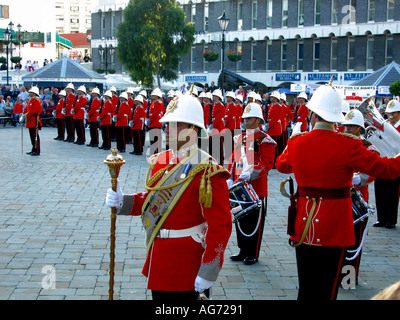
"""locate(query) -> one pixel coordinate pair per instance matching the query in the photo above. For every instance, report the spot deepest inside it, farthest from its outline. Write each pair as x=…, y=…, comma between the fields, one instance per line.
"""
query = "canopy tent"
x=383, y=77
x=63, y=71
x=63, y=41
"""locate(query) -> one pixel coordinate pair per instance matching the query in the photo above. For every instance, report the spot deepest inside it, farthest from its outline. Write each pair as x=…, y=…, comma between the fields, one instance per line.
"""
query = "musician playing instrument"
x=251, y=160
x=323, y=162
x=185, y=209
x=387, y=191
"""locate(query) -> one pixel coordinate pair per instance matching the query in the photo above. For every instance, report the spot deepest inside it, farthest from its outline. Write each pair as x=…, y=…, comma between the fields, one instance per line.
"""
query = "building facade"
x=281, y=41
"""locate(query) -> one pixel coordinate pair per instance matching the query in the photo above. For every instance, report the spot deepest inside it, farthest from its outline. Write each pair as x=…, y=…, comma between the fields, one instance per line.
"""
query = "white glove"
x=72, y=111
x=147, y=122
x=114, y=118
x=356, y=179
x=229, y=182
x=54, y=113
x=265, y=127
x=22, y=118
x=245, y=176
x=63, y=111
x=130, y=123
x=201, y=284
x=114, y=199
x=98, y=119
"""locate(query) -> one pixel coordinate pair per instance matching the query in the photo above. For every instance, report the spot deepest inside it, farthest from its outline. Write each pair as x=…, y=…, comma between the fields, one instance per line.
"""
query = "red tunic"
x=239, y=113
x=106, y=112
x=59, y=107
x=32, y=112
x=230, y=116
x=206, y=112
x=260, y=151
x=139, y=115
x=80, y=106
x=93, y=113
x=124, y=113
x=302, y=114
x=156, y=112
x=325, y=159
x=274, y=120
x=172, y=264
x=217, y=114
x=70, y=101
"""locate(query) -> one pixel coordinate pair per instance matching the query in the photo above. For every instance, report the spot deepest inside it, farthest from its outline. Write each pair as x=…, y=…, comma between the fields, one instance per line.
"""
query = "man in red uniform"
x=286, y=116
x=156, y=112
x=137, y=125
x=32, y=114
x=252, y=159
x=105, y=120
x=93, y=114
x=274, y=118
x=239, y=110
x=78, y=112
x=69, y=104
x=387, y=191
x=216, y=129
x=185, y=209
x=60, y=117
x=323, y=162
x=301, y=112
x=121, y=121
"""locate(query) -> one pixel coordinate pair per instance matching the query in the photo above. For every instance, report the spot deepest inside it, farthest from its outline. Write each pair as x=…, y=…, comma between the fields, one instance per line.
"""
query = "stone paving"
x=54, y=232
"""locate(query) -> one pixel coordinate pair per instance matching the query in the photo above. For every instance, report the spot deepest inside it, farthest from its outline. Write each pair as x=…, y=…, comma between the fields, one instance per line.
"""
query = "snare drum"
x=243, y=200
x=361, y=208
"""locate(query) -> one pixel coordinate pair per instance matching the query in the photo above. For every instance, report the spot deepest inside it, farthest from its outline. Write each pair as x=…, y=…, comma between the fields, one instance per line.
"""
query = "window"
x=206, y=17
x=350, y=12
x=370, y=52
x=317, y=12
x=240, y=16
x=253, y=56
x=269, y=13
x=334, y=53
x=268, y=55
x=371, y=10
x=193, y=59
x=300, y=55
x=285, y=8
x=193, y=13
x=283, y=54
x=390, y=9
x=334, y=12
x=254, y=15
x=389, y=49
x=350, y=53
x=301, y=13
x=316, y=54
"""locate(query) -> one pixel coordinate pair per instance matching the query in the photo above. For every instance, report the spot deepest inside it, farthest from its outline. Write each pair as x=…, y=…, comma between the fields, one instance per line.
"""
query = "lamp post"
x=223, y=23
x=7, y=38
x=103, y=51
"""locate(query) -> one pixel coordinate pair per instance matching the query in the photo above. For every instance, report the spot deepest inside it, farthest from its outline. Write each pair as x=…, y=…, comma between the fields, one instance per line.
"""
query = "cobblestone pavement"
x=54, y=226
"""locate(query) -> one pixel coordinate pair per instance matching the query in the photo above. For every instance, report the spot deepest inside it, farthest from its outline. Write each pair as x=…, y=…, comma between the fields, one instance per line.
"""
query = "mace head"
x=114, y=159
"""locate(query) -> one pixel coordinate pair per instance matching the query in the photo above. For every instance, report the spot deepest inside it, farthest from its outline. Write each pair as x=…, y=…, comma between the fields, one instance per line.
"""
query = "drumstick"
x=248, y=168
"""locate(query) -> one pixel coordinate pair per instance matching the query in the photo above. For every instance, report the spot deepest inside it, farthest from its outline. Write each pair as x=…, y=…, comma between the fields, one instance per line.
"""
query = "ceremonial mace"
x=114, y=162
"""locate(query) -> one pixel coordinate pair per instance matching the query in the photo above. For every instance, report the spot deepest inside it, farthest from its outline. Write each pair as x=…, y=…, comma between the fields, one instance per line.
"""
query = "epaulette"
x=297, y=134
x=348, y=135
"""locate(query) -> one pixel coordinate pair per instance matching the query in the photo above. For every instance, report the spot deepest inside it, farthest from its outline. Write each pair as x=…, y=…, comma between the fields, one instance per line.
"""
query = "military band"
x=187, y=208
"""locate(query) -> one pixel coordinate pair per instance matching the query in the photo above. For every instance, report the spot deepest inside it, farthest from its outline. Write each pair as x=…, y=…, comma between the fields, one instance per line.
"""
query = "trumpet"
x=379, y=131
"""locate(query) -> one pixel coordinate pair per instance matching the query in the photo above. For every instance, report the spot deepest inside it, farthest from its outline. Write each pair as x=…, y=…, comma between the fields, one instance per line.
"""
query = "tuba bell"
x=379, y=131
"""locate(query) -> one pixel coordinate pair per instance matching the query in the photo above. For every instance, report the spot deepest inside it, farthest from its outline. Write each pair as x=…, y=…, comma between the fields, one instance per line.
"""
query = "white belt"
x=196, y=230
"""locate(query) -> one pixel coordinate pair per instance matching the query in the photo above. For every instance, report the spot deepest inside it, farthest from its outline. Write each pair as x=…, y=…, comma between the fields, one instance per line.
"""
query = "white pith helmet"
x=230, y=94
x=354, y=117
x=239, y=97
x=129, y=90
x=34, y=90
x=124, y=95
x=96, y=90
x=143, y=93
x=276, y=95
x=70, y=86
x=257, y=97
x=393, y=106
x=108, y=93
x=187, y=109
x=62, y=93
x=208, y=95
x=345, y=106
x=139, y=98
x=82, y=88
x=327, y=103
x=283, y=96
x=253, y=110
x=218, y=93
x=156, y=92
x=302, y=95
x=195, y=92
x=113, y=89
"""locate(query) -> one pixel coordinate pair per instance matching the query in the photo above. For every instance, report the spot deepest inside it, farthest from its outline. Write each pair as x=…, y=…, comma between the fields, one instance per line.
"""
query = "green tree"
x=151, y=38
x=395, y=88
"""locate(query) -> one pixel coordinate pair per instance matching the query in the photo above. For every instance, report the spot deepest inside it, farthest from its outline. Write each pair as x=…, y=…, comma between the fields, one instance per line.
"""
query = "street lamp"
x=103, y=51
x=7, y=38
x=223, y=23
